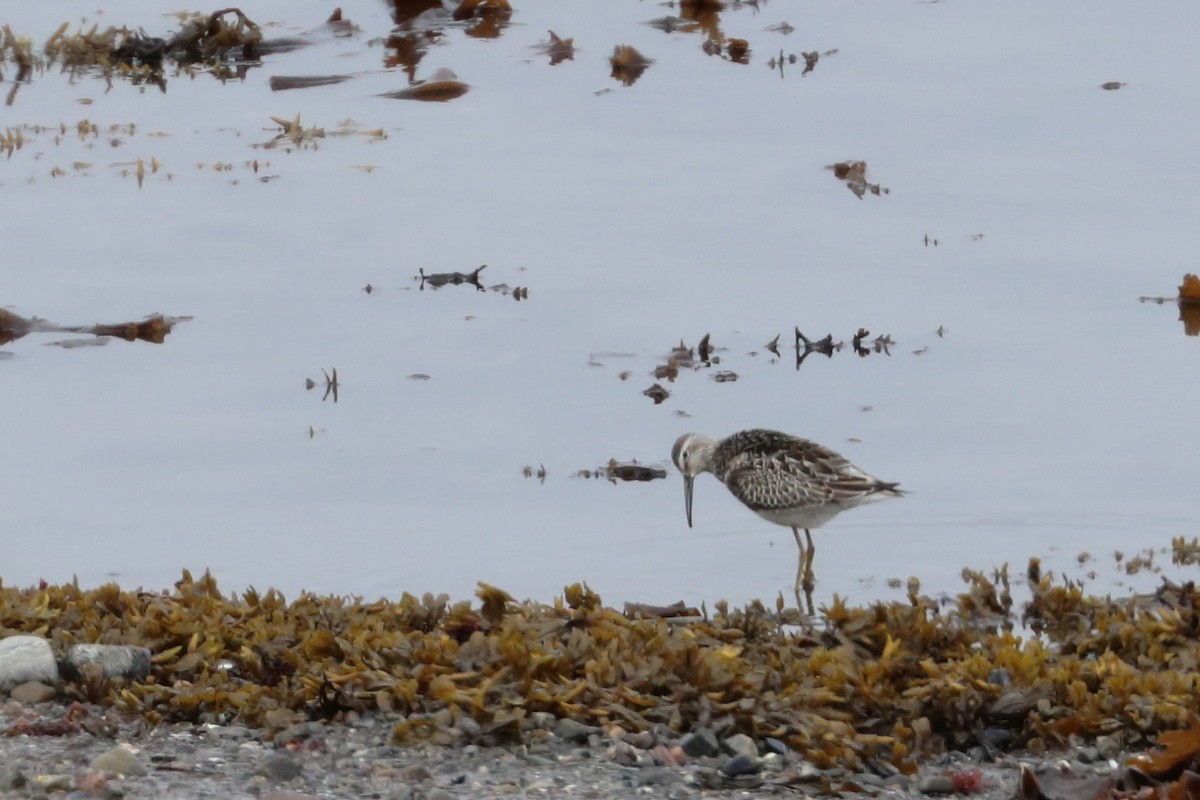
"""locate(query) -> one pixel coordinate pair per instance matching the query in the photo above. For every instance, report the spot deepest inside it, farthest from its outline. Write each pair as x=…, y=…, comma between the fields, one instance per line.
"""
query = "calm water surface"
x=1054, y=415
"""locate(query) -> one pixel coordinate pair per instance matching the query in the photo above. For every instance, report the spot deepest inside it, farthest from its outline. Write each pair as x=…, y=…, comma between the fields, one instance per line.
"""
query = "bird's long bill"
x=687, y=496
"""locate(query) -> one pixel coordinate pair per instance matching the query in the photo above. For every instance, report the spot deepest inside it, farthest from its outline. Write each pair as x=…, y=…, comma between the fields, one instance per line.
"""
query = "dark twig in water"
x=331, y=385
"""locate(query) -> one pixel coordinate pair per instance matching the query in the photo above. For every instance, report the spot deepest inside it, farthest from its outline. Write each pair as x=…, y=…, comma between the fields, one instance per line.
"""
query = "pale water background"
x=1056, y=415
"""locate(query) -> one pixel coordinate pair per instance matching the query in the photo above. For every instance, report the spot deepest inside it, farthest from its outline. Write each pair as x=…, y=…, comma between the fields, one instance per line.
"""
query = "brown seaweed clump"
x=628, y=64
x=881, y=683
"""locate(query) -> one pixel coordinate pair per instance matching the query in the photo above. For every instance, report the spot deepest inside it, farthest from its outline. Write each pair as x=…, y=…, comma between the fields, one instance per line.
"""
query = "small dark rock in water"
x=657, y=393
x=282, y=83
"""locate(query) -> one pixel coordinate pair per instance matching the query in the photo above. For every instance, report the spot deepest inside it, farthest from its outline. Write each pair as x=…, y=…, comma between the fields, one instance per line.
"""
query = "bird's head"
x=690, y=454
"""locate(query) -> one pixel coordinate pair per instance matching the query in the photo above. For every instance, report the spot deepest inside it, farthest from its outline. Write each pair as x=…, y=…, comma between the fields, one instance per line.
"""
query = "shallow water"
x=1050, y=418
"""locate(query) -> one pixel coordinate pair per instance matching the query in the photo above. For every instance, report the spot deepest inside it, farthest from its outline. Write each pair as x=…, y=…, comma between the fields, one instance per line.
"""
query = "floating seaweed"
x=657, y=393
x=557, y=48
x=283, y=83
x=440, y=279
x=631, y=471
x=332, y=385
x=673, y=24
x=854, y=173
x=154, y=329
x=1188, y=300
x=442, y=86
x=823, y=346
x=628, y=64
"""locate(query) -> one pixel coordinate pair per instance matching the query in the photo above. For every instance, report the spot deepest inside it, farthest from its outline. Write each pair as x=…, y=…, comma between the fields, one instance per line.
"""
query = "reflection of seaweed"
x=440, y=279
x=628, y=64
x=823, y=346
x=854, y=173
x=152, y=329
x=332, y=385
x=217, y=41
x=1188, y=301
x=558, y=49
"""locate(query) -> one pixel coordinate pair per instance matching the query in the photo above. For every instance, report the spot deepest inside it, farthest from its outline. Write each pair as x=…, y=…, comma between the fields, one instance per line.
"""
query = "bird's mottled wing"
x=775, y=471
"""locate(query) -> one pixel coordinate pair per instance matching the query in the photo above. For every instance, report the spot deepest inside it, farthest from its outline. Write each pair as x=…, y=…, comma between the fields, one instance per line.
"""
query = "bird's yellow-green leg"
x=809, y=580
x=803, y=568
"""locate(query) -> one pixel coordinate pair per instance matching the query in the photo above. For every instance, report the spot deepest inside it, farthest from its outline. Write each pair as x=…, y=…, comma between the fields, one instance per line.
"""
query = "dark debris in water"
x=154, y=329
x=854, y=173
x=439, y=279
x=557, y=48
x=885, y=682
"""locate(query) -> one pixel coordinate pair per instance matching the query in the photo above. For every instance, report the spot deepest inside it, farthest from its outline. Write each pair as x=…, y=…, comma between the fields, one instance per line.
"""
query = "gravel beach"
x=113, y=757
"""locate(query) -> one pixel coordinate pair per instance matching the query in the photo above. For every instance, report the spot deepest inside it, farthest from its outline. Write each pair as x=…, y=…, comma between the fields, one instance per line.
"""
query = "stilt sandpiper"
x=785, y=479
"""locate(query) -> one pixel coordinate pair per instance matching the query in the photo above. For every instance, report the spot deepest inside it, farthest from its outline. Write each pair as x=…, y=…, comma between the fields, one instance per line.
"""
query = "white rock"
x=26, y=658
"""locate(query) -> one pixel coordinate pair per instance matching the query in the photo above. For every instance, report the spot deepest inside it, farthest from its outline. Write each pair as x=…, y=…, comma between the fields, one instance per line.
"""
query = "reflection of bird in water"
x=785, y=479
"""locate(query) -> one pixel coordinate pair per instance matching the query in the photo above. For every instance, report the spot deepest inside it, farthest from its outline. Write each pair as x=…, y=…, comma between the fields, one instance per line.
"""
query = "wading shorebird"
x=785, y=479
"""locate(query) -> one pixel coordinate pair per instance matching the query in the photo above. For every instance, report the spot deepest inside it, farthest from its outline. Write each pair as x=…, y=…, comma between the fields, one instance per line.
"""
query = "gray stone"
x=999, y=677
x=573, y=731
x=700, y=743
x=643, y=740
x=542, y=720
x=1110, y=746
x=741, y=745
x=773, y=745
x=12, y=776
x=741, y=764
x=936, y=784
x=32, y=692
x=469, y=726
x=658, y=776
x=119, y=760
x=114, y=660
x=281, y=767
x=26, y=658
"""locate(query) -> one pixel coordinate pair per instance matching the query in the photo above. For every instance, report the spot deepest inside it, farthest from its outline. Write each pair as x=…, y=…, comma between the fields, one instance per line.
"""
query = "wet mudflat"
x=970, y=225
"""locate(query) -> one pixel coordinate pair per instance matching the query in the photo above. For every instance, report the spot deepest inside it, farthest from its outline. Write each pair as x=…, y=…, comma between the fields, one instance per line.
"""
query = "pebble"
x=936, y=784
x=281, y=768
x=573, y=730
x=741, y=764
x=741, y=744
x=119, y=760
x=700, y=743
x=32, y=692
